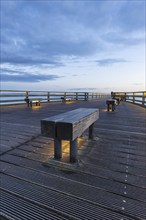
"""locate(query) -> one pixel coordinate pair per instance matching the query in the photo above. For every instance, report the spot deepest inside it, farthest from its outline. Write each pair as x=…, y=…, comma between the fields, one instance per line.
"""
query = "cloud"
x=30, y=61
x=137, y=84
x=121, y=39
x=19, y=76
x=45, y=31
x=83, y=89
x=106, y=62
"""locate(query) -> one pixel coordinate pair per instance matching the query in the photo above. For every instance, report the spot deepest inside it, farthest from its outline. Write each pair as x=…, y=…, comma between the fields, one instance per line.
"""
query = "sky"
x=79, y=45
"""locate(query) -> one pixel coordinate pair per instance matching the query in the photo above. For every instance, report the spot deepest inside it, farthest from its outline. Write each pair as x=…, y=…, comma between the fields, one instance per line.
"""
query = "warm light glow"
x=66, y=145
x=69, y=102
x=104, y=110
x=34, y=100
x=36, y=107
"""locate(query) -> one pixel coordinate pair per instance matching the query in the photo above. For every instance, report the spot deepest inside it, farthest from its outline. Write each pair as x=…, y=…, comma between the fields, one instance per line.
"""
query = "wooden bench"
x=117, y=100
x=69, y=126
x=64, y=100
x=111, y=104
x=30, y=102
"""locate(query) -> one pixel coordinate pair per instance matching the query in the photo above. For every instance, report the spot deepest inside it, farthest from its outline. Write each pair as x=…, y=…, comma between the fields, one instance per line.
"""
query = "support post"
x=92, y=96
x=48, y=97
x=143, y=98
x=27, y=98
x=57, y=149
x=87, y=96
x=76, y=96
x=133, y=97
x=125, y=97
x=91, y=132
x=65, y=96
x=74, y=151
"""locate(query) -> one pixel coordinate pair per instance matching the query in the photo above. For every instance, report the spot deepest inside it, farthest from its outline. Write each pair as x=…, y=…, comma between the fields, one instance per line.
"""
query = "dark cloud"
x=19, y=76
x=120, y=39
x=22, y=60
x=43, y=31
x=106, y=62
x=132, y=16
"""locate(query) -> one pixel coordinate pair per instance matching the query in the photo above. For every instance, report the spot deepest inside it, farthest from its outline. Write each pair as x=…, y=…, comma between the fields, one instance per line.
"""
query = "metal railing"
x=9, y=97
x=138, y=98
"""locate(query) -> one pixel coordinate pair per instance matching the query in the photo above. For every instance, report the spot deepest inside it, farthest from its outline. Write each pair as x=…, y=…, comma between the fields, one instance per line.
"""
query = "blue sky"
x=77, y=45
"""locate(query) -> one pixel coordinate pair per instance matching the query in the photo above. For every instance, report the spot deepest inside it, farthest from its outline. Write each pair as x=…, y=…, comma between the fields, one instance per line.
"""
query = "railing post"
x=86, y=96
x=27, y=95
x=48, y=97
x=64, y=95
x=27, y=98
x=125, y=97
x=143, y=98
x=76, y=96
x=96, y=95
x=133, y=97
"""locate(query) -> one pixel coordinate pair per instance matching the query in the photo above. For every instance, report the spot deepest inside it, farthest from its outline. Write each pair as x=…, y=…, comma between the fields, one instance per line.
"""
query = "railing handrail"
x=138, y=98
x=18, y=96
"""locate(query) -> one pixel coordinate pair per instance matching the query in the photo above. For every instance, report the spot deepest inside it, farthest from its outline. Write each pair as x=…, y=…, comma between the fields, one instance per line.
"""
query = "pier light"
x=36, y=107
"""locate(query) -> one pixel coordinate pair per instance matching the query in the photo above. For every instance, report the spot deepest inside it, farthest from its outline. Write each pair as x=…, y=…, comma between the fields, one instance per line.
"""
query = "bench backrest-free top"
x=69, y=125
x=72, y=127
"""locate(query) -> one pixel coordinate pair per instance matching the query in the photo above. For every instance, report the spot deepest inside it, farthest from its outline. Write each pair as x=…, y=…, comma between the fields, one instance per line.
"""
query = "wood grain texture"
x=61, y=125
x=72, y=127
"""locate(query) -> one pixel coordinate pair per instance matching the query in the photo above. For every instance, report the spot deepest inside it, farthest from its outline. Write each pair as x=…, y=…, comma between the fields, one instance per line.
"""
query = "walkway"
x=108, y=183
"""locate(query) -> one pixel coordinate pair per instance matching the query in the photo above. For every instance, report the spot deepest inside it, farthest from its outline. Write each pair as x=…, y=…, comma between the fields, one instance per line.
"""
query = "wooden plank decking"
x=109, y=182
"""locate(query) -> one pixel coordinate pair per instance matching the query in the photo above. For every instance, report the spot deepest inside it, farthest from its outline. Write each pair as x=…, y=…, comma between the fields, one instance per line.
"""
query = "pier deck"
x=109, y=181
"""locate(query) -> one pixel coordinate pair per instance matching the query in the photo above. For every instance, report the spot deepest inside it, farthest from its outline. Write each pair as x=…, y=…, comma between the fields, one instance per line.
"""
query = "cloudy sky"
x=57, y=45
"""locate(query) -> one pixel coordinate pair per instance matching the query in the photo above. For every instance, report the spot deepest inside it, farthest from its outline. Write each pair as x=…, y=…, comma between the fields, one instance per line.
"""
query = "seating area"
x=64, y=99
x=30, y=102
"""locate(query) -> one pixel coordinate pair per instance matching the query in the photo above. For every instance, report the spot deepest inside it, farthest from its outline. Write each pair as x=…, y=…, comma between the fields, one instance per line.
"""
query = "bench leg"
x=91, y=131
x=74, y=151
x=108, y=107
x=57, y=149
x=113, y=107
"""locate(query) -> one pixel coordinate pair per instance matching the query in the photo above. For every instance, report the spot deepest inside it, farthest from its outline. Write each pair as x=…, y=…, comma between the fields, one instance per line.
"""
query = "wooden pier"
x=108, y=182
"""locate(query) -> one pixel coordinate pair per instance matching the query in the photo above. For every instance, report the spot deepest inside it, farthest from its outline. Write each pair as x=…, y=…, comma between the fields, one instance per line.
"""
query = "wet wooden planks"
x=108, y=183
